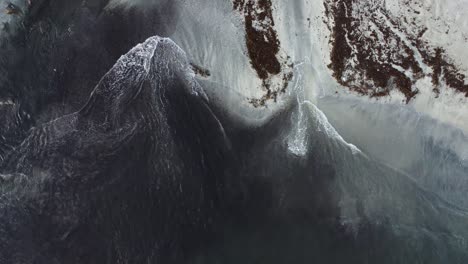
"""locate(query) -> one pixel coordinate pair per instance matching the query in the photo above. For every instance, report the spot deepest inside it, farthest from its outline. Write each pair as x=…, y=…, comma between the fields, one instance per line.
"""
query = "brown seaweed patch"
x=263, y=46
x=261, y=37
x=198, y=70
x=455, y=79
x=363, y=64
x=448, y=72
x=341, y=50
x=272, y=95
